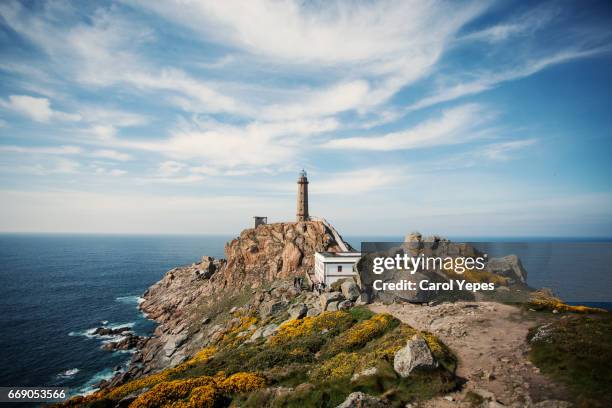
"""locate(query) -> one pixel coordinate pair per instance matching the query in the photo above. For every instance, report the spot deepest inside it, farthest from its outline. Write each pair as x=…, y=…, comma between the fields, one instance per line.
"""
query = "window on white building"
x=339, y=268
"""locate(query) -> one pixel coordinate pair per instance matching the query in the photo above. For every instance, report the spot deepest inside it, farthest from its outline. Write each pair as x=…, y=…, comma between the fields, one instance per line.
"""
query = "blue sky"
x=460, y=118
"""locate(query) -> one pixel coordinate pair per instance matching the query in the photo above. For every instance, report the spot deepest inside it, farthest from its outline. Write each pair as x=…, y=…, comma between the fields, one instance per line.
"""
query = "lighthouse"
x=302, y=197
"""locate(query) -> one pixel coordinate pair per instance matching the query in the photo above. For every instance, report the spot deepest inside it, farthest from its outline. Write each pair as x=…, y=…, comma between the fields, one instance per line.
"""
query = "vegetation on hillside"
x=318, y=357
x=576, y=351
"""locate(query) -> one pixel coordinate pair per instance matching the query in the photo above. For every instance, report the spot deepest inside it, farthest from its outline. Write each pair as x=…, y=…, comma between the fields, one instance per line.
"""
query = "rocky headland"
x=239, y=331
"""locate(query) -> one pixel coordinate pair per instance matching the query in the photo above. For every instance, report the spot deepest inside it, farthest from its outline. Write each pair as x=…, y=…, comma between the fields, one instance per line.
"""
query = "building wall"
x=326, y=270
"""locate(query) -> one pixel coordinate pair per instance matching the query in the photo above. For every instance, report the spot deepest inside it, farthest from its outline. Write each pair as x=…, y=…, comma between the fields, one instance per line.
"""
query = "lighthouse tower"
x=302, y=198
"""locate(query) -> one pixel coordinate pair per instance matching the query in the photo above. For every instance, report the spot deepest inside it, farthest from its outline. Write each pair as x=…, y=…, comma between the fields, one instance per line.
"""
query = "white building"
x=332, y=266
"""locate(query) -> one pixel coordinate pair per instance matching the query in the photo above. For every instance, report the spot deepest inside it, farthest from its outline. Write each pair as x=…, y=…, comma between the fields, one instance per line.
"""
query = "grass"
x=577, y=351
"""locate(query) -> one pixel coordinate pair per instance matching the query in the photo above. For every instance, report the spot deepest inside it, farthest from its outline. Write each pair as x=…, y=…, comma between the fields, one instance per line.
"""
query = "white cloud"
x=103, y=132
x=38, y=109
x=170, y=168
x=248, y=147
x=456, y=125
x=360, y=181
x=324, y=32
x=111, y=154
x=59, y=150
x=112, y=117
x=378, y=47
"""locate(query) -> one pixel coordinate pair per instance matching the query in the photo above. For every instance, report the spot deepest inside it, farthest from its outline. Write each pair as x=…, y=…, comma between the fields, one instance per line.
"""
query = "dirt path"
x=490, y=341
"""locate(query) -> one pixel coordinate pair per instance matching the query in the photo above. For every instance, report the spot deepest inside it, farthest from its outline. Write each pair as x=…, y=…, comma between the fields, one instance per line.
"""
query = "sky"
x=457, y=118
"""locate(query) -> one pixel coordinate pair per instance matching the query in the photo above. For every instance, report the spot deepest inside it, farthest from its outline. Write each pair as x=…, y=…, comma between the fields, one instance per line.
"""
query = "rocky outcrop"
x=183, y=301
x=127, y=342
x=274, y=251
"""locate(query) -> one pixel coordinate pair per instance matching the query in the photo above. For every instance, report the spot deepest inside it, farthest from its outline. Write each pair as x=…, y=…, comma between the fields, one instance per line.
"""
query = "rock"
x=107, y=331
x=484, y=394
x=333, y=306
x=552, y=404
x=271, y=308
x=128, y=342
x=345, y=305
x=362, y=299
x=509, y=266
x=206, y=268
x=313, y=311
x=262, y=332
x=233, y=310
x=297, y=311
x=365, y=373
x=206, y=320
x=326, y=298
x=173, y=343
x=269, y=330
x=361, y=400
x=126, y=401
x=416, y=354
x=350, y=290
x=414, y=240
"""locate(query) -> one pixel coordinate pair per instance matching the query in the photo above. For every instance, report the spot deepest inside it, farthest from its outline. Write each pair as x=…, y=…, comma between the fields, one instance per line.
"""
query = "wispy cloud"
x=454, y=126
x=489, y=80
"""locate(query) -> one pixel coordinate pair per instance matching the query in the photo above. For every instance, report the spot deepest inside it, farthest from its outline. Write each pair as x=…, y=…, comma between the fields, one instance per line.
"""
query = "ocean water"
x=54, y=289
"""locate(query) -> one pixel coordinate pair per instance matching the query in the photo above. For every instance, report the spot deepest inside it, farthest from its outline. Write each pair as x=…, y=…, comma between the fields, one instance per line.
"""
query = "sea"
x=56, y=289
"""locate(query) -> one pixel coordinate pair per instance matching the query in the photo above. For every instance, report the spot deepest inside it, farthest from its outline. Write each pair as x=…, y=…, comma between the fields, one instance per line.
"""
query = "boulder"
x=365, y=373
x=328, y=297
x=361, y=400
x=313, y=311
x=107, y=331
x=350, y=290
x=416, y=354
x=297, y=311
x=509, y=266
x=271, y=308
x=345, y=305
x=263, y=332
x=269, y=330
x=333, y=306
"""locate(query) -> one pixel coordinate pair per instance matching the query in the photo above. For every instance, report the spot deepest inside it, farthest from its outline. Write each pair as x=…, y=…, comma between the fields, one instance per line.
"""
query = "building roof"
x=328, y=254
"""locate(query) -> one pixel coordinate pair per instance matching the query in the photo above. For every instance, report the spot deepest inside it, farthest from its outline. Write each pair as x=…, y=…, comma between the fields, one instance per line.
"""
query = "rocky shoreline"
x=179, y=301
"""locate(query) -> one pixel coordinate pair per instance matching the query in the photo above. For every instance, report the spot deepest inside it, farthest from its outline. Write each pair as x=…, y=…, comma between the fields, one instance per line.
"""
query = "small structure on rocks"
x=259, y=220
x=333, y=266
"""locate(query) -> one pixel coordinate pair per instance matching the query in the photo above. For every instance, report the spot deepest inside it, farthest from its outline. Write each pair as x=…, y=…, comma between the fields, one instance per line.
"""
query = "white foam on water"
x=133, y=299
x=68, y=373
x=90, y=386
